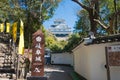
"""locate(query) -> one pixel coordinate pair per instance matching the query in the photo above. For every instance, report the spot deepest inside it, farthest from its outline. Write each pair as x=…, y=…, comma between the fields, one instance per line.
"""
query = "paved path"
x=57, y=72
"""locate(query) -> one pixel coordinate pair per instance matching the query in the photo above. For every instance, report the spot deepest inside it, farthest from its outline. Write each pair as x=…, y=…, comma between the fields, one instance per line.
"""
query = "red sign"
x=38, y=54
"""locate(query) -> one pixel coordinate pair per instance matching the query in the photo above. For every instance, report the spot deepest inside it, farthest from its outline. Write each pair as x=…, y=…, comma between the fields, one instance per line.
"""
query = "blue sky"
x=66, y=10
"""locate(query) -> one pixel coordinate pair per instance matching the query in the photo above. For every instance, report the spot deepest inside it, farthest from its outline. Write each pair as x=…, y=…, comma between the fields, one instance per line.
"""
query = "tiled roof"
x=99, y=40
x=105, y=39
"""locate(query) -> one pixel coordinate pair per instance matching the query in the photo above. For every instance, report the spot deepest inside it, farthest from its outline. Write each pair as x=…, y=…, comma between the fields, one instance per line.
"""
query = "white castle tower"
x=60, y=29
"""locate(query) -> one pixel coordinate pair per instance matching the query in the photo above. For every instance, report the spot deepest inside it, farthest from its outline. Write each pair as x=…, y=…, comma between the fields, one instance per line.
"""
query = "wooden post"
x=107, y=64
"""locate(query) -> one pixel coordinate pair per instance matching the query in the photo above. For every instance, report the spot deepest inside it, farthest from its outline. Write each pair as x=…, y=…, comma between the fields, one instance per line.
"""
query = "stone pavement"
x=58, y=72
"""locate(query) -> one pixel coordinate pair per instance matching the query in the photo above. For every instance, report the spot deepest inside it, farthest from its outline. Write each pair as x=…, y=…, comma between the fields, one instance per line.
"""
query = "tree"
x=92, y=7
x=32, y=12
x=52, y=43
x=112, y=17
x=83, y=24
x=105, y=12
x=72, y=42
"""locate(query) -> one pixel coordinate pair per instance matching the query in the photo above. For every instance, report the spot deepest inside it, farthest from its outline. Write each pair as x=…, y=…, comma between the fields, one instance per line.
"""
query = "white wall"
x=97, y=61
x=89, y=62
x=81, y=62
x=115, y=73
x=62, y=58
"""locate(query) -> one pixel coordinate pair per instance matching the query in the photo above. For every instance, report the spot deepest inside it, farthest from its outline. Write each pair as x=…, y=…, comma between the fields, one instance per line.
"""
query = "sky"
x=66, y=10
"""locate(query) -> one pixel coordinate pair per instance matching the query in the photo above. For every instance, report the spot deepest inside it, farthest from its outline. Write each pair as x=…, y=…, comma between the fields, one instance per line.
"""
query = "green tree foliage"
x=53, y=44
x=32, y=12
x=110, y=15
x=92, y=7
x=106, y=13
x=72, y=42
x=83, y=24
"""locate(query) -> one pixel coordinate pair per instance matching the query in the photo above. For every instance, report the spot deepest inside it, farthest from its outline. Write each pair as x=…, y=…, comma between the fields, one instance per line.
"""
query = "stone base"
x=36, y=78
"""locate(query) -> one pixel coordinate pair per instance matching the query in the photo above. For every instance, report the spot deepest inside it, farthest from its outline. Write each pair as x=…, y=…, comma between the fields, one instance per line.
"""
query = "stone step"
x=7, y=70
x=8, y=53
x=7, y=66
x=2, y=54
x=6, y=61
x=4, y=79
x=6, y=57
x=12, y=67
x=2, y=58
x=8, y=76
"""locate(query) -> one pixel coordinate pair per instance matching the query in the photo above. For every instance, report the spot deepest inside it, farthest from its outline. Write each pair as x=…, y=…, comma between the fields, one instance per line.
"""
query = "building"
x=91, y=58
x=60, y=29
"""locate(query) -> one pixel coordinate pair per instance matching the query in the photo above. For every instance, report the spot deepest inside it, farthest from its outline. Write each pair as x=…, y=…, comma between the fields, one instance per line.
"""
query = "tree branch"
x=101, y=23
x=89, y=2
x=83, y=6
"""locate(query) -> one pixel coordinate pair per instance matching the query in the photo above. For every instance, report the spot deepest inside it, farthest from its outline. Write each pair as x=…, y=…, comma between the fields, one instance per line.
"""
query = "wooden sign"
x=113, y=53
x=38, y=54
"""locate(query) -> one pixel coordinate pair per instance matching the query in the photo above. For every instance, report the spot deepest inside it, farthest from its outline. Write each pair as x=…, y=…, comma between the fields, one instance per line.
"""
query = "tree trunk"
x=93, y=13
x=115, y=29
x=92, y=22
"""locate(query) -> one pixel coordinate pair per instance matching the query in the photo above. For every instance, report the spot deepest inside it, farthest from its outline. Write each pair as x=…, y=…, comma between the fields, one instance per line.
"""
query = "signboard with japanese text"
x=113, y=53
x=38, y=54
